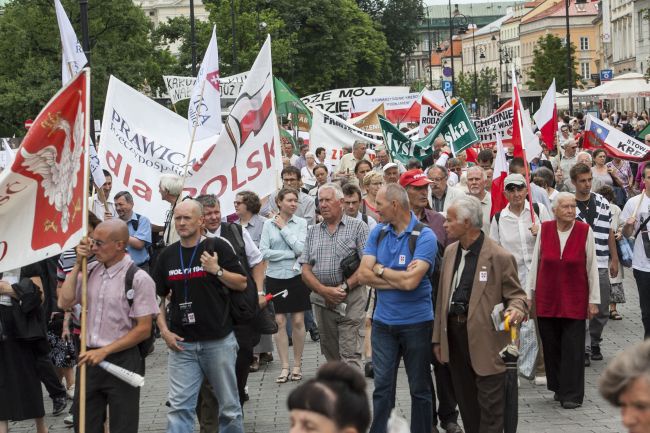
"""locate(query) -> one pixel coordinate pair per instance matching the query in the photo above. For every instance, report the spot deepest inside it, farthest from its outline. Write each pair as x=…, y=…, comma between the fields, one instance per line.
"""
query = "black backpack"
x=434, y=274
x=146, y=346
x=243, y=305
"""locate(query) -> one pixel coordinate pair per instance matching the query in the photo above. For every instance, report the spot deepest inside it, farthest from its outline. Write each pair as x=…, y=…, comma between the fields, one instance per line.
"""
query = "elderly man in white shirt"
x=514, y=229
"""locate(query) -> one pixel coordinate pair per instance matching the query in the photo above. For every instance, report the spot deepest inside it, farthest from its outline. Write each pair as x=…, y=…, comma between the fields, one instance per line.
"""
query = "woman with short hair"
x=334, y=401
x=372, y=181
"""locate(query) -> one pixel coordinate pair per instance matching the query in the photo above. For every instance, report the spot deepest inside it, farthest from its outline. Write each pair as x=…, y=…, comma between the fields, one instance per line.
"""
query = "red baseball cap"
x=415, y=177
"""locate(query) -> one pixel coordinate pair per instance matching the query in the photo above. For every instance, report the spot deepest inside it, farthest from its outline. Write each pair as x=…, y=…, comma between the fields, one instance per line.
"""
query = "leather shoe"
x=596, y=355
x=452, y=427
x=570, y=405
x=368, y=370
x=587, y=360
x=314, y=334
x=266, y=357
x=59, y=404
x=255, y=365
x=556, y=397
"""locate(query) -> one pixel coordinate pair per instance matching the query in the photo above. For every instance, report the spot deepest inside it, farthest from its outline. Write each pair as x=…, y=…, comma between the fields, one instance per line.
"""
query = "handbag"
x=265, y=321
x=624, y=252
x=350, y=264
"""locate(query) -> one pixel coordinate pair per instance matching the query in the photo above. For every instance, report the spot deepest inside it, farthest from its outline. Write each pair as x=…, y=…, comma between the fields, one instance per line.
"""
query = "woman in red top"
x=563, y=282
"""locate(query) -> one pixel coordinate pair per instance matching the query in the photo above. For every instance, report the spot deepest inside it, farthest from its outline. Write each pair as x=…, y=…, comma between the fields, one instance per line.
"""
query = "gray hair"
x=561, y=196
x=127, y=196
x=208, y=200
x=444, y=170
x=469, y=208
x=171, y=183
x=338, y=192
x=631, y=364
x=546, y=174
x=476, y=168
x=394, y=191
x=583, y=154
x=357, y=144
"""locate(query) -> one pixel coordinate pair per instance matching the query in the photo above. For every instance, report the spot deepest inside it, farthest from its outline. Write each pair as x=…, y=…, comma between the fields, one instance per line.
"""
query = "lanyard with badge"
x=187, y=317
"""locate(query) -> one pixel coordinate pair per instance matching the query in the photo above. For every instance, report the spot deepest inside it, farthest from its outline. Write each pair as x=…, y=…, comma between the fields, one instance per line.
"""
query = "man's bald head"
x=192, y=206
x=116, y=229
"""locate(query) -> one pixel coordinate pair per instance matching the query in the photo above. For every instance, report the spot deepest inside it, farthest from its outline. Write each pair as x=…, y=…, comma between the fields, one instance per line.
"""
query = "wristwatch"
x=220, y=272
x=344, y=286
x=379, y=272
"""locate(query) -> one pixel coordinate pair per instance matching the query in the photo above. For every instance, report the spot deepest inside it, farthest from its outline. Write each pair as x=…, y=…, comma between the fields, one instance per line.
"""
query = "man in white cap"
x=391, y=173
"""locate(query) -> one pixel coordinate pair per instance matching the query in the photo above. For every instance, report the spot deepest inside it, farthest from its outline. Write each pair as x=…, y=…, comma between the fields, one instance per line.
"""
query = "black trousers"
x=102, y=389
x=481, y=399
x=446, y=411
x=563, y=341
x=643, y=285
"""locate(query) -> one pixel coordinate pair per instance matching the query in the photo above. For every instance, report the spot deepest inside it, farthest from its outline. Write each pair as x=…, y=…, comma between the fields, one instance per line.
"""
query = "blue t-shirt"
x=399, y=307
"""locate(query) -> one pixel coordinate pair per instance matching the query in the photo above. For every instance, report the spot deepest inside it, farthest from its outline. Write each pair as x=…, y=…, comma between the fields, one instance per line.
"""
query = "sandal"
x=283, y=377
x=295, y=377
x=614, y=315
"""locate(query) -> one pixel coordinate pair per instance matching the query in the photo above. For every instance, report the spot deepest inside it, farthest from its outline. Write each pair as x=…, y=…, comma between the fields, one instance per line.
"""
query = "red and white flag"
x=517, y=133
x=204, y=111
x=499, y=200
x=546, y=117
x=42, y=203
x=247, y=154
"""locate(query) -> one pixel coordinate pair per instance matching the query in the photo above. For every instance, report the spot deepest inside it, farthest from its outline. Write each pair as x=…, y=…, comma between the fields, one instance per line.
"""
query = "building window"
x=584, y=69
x=584, y=43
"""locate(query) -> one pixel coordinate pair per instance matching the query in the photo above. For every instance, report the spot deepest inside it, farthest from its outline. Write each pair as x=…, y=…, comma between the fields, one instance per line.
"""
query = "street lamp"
x=569, y=66
x=461, y=24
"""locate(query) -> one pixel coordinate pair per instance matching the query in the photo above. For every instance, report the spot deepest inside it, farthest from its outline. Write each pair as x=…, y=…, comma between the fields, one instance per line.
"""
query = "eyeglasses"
x=98, y=242
x=292, y=179
x=237, y=203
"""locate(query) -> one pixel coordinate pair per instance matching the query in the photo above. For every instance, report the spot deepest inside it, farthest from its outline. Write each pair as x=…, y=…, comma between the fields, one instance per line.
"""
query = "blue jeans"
x=214, y=359
x=389, y=343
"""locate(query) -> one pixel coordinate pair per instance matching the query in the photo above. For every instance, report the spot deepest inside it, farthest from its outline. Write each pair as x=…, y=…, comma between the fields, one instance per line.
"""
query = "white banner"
x=393, y=103
x=180, y=88
x=332, y=133
x=247, y=154
x=500, y=122
x=338, y=101
x=140, y=140
x=430, y=114
x=7, y=154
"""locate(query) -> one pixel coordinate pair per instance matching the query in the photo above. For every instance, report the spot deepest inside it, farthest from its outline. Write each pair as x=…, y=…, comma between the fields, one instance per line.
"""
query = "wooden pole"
x=523, y=147
x=84, y=266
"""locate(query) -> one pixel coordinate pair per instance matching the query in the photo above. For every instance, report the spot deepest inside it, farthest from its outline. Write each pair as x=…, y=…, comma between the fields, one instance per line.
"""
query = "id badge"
x=187, y=315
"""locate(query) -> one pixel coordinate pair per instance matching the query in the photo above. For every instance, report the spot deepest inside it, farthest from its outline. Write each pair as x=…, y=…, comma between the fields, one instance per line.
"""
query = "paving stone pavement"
x=266, y=411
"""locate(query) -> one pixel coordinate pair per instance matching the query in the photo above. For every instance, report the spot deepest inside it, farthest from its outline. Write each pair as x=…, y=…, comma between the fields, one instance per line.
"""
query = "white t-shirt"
x=639, y=260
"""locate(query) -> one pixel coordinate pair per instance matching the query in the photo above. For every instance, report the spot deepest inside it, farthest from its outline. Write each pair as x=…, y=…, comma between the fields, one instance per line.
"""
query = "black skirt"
x=21, y=396
x=297, y=299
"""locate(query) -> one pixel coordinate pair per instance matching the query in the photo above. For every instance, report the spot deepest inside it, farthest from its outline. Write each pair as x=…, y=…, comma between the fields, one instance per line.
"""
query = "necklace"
x=585, y=203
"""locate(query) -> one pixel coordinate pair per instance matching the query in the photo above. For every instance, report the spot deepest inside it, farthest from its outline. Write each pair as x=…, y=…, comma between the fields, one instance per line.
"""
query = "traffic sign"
x=29, y=123
x=606, y=75
x=447, y=86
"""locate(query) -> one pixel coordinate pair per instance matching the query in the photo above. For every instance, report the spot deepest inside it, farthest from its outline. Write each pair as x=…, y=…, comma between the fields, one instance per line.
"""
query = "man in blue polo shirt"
x=139, y=230
x=396, y=262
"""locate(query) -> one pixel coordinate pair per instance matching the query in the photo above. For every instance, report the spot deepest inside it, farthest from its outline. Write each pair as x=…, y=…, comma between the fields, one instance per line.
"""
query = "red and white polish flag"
x=42, y=204
x=499, y=200
x=546, y=117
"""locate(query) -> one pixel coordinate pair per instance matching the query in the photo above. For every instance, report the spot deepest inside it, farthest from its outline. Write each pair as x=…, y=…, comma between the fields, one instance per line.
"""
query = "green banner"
x=400, y=147
x=643, y=133
x=457, y=128
x=287, y=103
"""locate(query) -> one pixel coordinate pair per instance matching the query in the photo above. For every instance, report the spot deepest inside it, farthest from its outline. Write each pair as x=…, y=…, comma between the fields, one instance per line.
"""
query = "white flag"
x=73, y=57
x=247, y=154
x=96, y=167
x=7, y=154
x=204, y=112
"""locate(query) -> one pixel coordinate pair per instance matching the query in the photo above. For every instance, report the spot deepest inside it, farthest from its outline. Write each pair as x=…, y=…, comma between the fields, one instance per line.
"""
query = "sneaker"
x=68, y=420
x=58, y=405
x=368, y=370
x=596, y=355
x=290, y=341
x=70, y=392
x=540, y=380
x=587, y=360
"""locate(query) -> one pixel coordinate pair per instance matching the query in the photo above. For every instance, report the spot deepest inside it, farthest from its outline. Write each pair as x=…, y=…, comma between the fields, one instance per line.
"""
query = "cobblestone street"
x=266, y=411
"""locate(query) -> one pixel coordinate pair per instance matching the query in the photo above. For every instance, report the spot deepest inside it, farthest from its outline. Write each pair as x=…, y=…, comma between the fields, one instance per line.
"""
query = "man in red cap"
x=417, y=184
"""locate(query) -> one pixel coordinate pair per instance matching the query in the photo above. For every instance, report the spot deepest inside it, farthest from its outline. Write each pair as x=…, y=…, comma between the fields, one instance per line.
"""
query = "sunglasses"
x=515, y=187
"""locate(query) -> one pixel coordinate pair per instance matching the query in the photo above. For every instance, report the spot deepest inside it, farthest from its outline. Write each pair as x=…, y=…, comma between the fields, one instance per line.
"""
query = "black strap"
x=641, y=226
x=128, y=281
x=412, y=238
x=136, y=222
x=364, y=218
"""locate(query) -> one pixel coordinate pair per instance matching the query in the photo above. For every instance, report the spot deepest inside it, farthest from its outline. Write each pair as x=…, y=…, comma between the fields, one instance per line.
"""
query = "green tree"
x=397, y=23
x=30, y=49
x=486, y=86
x=549, y=61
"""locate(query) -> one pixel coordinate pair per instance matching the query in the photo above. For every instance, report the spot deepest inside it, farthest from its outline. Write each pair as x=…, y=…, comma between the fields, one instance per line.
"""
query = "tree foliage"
x=549, y=61
x=30, y=49
x=486, y=85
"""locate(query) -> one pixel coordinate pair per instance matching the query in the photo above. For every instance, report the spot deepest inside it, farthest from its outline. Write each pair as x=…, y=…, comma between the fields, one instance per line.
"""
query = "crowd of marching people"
x=380, y=262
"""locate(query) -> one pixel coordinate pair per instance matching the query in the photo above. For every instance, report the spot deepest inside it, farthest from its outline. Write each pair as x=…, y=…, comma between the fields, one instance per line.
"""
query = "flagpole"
x=196, y=125
x=84, y=266
x=523, y=148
